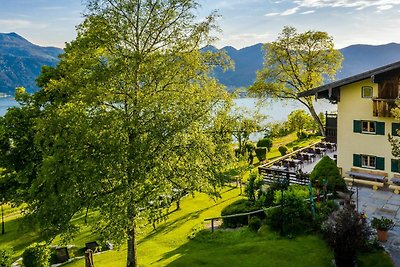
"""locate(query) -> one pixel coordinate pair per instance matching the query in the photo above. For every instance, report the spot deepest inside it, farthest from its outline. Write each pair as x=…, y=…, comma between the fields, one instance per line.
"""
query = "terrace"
x=296, y=166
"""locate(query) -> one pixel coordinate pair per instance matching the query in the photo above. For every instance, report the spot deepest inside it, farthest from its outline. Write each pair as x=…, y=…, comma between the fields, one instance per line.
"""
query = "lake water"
x=276, y=111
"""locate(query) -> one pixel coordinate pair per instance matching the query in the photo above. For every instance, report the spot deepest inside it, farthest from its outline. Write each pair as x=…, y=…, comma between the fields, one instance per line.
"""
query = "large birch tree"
x=295, y=63
x=129, y=117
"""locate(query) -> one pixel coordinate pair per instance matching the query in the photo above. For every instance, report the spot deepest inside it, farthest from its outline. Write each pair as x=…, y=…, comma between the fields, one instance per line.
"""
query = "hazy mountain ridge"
x=21, y=62
x=357, y=59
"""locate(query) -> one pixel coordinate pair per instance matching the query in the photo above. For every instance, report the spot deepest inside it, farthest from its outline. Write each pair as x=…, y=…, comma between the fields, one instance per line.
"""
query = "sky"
x=243, y=22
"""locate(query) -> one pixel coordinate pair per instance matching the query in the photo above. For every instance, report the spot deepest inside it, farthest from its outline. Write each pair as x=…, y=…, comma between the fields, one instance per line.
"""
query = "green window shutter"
x=395, y=165
x=380, y=128
x=357, y=126
x=395, y=127
x=356, y=160
x=380, y=163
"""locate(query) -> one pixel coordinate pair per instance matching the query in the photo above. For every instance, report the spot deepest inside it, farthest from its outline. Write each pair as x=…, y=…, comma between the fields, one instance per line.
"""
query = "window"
x=368, y=127
x=368, y=161
x=366, y=92
x=395, y=128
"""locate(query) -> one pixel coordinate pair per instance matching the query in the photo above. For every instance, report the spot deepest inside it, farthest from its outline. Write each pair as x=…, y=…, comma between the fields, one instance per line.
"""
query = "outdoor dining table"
x=293, y=163
x=307, y=156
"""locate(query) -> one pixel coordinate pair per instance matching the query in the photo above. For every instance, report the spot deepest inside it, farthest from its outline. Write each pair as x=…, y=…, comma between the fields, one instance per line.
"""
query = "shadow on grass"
x=173, y=224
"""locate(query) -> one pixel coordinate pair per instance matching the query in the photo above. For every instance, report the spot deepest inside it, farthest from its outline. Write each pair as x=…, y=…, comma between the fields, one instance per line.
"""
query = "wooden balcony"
x=383, y=107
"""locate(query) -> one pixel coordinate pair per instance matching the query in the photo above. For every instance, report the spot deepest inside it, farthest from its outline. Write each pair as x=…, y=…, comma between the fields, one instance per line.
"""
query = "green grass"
x=169, y=244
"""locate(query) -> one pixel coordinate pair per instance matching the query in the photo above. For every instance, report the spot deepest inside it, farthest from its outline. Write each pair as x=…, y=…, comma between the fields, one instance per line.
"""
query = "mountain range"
x=21, y=62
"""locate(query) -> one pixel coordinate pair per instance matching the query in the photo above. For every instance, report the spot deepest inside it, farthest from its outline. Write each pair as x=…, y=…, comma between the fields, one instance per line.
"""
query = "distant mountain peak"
x=21, y=62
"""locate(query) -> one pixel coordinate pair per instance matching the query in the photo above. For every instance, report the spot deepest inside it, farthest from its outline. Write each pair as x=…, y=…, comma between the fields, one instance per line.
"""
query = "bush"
x=327, y=171
x=347, y=233
x=250, y=147
x=253, y=187
x=294, y=216
x=302, y=135
x=5, y=257
x=296, y=148
x=254, y=223
x=261, y=153
x=283, y=150
x=240, y=206
x=36, y=255
x=265, y=142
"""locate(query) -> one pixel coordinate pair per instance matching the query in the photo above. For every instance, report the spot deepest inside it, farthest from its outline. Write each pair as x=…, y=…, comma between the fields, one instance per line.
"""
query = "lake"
x=276, y=111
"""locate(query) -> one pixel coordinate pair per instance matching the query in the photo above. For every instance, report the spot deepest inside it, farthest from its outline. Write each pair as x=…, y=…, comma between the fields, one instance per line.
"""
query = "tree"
x=346, y=232
x=243, y=124
x=298, y=120
x=295, y=63
x=128, y=117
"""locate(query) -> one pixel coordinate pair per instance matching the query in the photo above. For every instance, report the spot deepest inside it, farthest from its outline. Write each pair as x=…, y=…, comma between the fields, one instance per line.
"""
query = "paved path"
x=377, y=203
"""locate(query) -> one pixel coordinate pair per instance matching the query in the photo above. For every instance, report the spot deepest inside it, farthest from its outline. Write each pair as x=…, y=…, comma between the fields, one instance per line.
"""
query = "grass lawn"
x=169, y=244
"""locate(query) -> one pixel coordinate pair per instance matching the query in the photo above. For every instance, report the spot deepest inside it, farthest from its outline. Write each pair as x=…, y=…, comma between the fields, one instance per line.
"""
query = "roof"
x=352, y=79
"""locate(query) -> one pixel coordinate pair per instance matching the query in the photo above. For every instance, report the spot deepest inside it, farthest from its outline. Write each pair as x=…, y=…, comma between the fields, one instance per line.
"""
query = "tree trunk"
x=314, y=114
x=132, y=248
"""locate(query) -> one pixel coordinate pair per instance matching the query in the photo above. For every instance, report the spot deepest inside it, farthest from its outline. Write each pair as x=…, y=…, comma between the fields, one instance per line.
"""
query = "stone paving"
x=377, y=203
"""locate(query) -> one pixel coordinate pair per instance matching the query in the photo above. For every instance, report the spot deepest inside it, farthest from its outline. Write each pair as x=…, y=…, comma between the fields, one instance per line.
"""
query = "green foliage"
x=383, y=223
x=276, y=129
x=326, y=171
x=250, y=147
x=253, y=187
x=261, y=153
x=299, y=120
x=254, y=223
x=294, y=216
x=346, y=232
x=265, y=142
x=125, y=119
x=283, y=150
x=295, y=63
x=36, y=255
x=302, y=135
x=240, y=206
x=5, y=257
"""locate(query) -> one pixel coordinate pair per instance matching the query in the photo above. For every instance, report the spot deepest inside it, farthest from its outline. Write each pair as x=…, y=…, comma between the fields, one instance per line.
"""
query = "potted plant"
x=382, y=226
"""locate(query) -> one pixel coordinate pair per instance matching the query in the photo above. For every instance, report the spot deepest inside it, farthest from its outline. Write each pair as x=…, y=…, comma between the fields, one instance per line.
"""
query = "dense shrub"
x=36, y=255
x=266, y=199
x=327, y=171
x=240, y=206
x=261, y=153
x=302, y=135
x=254, y=223
x=283, y=150
x=5, y=257
x=265, y=142
x=347, y=233
x=250, y=147
x=294, y=215
x=296, y=148
x=253, y=187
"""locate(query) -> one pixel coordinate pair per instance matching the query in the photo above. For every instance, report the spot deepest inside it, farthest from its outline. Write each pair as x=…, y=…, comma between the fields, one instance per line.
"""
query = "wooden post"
x=89, y=258
x=212, y=225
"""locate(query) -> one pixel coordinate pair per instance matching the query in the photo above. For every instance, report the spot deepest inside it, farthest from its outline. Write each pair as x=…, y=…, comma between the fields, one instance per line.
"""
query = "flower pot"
x=382, y=235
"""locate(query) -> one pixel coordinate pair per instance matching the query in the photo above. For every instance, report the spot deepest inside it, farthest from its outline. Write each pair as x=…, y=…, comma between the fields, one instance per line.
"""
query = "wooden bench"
x=375, y=178
x=394, y=183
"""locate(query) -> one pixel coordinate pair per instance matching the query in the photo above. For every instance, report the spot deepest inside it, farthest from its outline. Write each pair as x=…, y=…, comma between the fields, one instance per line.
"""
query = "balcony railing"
x=383, y=107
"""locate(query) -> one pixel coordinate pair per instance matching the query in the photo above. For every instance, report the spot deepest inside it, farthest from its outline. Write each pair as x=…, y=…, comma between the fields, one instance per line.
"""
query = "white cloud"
x=290, y=11
x=271, y=14
x=308, y=12
x=17, y=24
x=385, y=7
x=358, y=4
